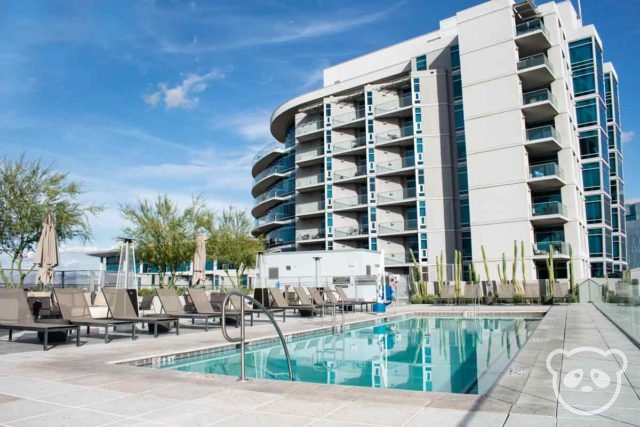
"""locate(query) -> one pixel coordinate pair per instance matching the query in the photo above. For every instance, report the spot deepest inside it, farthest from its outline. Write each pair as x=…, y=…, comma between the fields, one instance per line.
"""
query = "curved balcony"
x=399, y=107
x=354, y=118
x=545, y=177
x=405, y=196
x=401, y=136
x=309, y=129
x=548, y=213
x=353, y=146
x=280, y=237
x=271, y=198
x=270, y=221
x=310, y=236
x=269, y=177
x=402, y=166
x=267, y=155
x=358, y=202
x=351, y=232
x=398, y=227
x=310, y=183
x=350, y=174
x=310, y=210
x=310, y=156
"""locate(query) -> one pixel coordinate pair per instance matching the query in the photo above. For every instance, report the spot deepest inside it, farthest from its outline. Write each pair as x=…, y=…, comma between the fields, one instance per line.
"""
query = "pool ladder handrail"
x=242, y=338
x=333, y=304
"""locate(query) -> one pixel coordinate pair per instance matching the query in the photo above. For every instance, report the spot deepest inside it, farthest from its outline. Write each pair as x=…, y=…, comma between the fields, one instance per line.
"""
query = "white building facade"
x=466, y=138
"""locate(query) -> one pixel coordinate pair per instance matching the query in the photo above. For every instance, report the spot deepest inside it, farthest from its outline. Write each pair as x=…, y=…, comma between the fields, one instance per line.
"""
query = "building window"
x=374, y=244
x=370, y=126
x=591, y=176
x=457, y=87
x=421, y=63
x=589, y=144
x=596, y=244
x=581, y=53
x=587, y=112
x=458, y=114
x=416, y=85
x=455, y=58
x=461, y=147
x=465, y=214
x=594, y=209
x=463, y=183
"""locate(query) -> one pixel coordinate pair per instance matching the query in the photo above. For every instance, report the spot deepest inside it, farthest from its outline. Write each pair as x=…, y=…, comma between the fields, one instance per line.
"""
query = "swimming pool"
x=446, y=354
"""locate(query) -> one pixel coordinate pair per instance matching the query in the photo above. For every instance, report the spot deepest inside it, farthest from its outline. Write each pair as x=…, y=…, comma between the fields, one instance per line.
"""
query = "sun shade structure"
x=199, y=260
x=15, y=315
x=46, y=258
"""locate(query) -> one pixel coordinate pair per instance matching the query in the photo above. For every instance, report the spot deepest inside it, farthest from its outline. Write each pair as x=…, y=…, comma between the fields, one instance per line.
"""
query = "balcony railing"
x=347, y=202
x=396, y=104
x=348, y=117
x=310, y=234
x=272, y=217
x=543, y=248
x=274, y=192
x=277, y=168
x=538, y=96
x=356, y=230
x=396, y=195
x=272, y=146
x=310, y=154
x=397, y=226
x=309, y=207
x=530, y=27
x=339, y=147
x=541, y=132
x=388, y=136
x=397, y=164
x=349, y=173
x=547, y=208
x=310, y=180
x=397, y=258
x=309, y=126
x=544, y=170
x=534, y=61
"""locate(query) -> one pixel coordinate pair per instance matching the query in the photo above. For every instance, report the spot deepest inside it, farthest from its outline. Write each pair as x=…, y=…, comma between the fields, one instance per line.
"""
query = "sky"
x=140, y=98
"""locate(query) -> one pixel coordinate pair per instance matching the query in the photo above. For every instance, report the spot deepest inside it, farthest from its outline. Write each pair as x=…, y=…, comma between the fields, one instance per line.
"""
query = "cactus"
x=502, y=270
x=418, y=285
x=486, y=264
x=439, y=260
x=474, y=276
x=523, y=262
x=572, y=282
x=457, y=272
x=550, y=270
x=514, y=267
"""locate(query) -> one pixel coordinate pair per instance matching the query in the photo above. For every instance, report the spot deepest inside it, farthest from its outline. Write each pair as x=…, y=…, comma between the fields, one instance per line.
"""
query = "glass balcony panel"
x=267, y=149
x=542, y=132
x=355, y=230
x=275, y=192
x=349, y=173
x=309, y=207
x=310, y=234
x=398, y=226
x=341, y=146
x=396, y=104
x=347, y=202
x=306, y=127
x=538, y=96
x=531, y=26
x=396, y=195
x=277, y=168
x=394, y=134
x=397, y=258
x=272, y=217
x=534, y=61
x=348, y=117
x=547, y=208
x=310, y=180
x=543, y=248
x=545, y=169
x=392, y=165
x=310, y=154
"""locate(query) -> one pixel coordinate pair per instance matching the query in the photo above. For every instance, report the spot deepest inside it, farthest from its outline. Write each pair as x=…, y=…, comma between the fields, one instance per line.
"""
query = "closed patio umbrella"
x=199, y=260
x=46, y=258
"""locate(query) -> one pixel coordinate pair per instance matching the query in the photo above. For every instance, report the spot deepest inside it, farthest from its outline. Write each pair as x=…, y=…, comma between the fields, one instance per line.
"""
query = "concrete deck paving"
x=70, y=386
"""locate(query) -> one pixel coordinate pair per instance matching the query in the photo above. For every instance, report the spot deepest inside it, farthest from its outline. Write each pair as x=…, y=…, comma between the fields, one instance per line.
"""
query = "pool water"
x=453, y=355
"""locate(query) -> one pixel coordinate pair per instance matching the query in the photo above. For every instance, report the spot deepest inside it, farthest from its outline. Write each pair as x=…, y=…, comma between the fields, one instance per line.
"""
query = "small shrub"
x=146, y=291
x=416, y=299
x=518, y=299
x=429, y=299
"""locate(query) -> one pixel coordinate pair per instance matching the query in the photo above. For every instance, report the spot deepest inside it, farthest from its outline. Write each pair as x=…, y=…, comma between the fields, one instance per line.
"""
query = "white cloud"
x=253, y=126
x=183, y=95
x=628, y=136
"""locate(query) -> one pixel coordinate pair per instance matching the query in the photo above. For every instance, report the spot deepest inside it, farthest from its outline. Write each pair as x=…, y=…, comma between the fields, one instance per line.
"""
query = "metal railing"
x=310, y=126
x=277, y=168
x=242, y=338
x=545, y=170
x=356, y=230
x=397, y=226
x=272, y=146
x=274, y=192
x=272, y=217
x=349, y=173
x=310, y=180
x=396, y=104
x=534, y=61
x=339, y=147
x=543, y=248
x=396, y=195
x=310, y=154
x=347, y=202
x=541, y=132
x=531, y=26
x=310, y=207
x=348, y=117
x=398, y=258
x=547, y=208
x=310, y=234
x=403, y=132
x=397, y=164
x=539, y=95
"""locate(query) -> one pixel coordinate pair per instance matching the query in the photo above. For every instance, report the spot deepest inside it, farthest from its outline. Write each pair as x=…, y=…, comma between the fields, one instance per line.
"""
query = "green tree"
x=165, y=235
x=232, y=244
x=28, y=191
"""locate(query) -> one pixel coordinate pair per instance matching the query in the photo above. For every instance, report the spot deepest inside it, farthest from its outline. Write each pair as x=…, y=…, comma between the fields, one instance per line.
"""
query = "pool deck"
x=82, y=386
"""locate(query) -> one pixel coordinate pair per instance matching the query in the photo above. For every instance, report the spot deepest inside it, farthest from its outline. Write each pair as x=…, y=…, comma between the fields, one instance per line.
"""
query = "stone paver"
x=82, y=386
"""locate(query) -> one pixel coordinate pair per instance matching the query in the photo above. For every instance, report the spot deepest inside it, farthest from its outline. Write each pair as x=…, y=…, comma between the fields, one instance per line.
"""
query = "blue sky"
x=140, y=98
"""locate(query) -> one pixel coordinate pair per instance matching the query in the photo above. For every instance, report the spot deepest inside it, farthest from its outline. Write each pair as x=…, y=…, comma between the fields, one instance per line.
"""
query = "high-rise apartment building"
x=499, y=127
x=633, y=234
